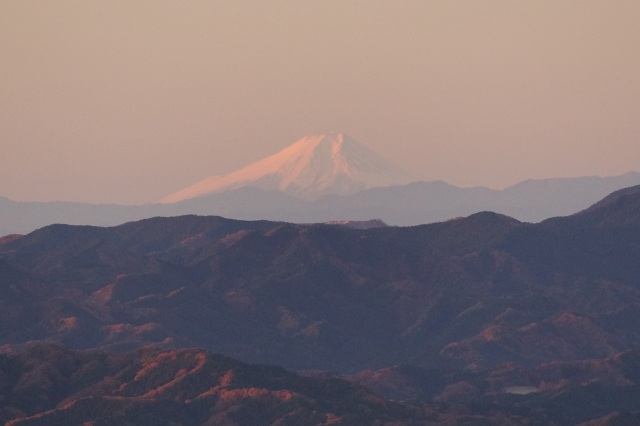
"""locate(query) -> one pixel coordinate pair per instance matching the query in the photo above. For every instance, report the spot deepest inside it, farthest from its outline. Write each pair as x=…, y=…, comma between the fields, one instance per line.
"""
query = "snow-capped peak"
x=329, y=163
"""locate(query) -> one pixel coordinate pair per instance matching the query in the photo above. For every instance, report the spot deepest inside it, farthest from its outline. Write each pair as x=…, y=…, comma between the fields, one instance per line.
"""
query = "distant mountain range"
x=480, y=320
x=473, y=292
x=323, y=178
x=412, y=204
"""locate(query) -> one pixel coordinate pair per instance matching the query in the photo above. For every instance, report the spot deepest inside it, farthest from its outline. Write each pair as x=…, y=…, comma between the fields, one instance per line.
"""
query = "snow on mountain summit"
x=329, y=163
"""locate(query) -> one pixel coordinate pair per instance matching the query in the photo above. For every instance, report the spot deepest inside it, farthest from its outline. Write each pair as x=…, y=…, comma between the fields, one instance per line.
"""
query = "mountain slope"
x=471, y=293
x=49, y=385
x=619, y=208
x=486, y=319
x=314, y=165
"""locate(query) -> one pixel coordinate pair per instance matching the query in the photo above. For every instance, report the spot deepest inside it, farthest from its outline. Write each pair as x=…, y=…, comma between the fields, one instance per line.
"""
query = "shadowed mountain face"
x=468, y=294
x=479, y=320
x=617, y=209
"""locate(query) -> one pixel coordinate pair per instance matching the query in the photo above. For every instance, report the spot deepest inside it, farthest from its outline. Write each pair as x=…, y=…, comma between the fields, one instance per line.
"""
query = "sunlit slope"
x=330, y=163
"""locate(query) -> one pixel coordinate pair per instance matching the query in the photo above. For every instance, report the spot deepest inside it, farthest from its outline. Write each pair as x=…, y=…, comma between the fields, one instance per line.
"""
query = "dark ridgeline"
x=467, y=311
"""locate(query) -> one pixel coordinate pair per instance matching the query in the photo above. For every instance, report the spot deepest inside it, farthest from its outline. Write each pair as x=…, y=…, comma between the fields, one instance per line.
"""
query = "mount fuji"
x=316, y=165
x=329, y=178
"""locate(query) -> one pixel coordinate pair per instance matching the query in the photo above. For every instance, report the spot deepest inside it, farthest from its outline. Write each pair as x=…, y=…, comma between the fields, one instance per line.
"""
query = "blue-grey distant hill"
x=405, y=205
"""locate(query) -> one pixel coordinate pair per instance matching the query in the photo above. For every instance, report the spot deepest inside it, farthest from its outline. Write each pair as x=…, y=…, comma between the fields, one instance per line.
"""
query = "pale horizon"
x=119, y=102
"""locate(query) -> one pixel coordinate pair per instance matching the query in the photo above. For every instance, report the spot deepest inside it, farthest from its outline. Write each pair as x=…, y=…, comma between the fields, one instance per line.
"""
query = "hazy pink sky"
x=120, y=101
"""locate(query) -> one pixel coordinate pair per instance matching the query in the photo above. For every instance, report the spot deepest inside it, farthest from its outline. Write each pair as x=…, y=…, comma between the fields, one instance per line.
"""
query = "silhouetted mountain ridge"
x=331, y=297
x=475, y=309
x=617, y=209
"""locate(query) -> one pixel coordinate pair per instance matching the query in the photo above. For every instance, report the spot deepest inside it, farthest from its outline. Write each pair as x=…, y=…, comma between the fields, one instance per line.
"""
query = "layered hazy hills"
x=470, y=293
x=477, y=320
x=329, y=177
